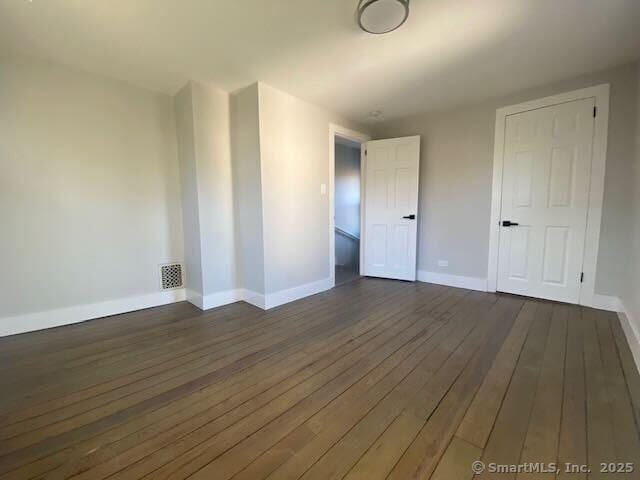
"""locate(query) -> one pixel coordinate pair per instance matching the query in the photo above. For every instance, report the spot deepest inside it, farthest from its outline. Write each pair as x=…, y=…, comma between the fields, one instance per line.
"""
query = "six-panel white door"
x=391, y=208
x=545, y=193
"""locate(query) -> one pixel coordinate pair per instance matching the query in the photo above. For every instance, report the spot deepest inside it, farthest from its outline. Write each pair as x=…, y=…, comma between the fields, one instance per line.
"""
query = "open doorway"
x=346, y=194
x=347, y=171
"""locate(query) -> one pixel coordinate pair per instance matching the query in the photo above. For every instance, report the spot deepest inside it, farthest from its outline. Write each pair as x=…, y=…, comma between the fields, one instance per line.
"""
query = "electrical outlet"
x=443, y=263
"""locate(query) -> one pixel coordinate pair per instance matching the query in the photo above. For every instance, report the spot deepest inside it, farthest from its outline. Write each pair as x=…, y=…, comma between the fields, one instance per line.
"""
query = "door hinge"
x=581, y=277
x=595, y=109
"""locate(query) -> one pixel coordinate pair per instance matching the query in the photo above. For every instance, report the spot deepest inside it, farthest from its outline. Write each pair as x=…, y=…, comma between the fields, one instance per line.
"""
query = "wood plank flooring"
x=374, y=379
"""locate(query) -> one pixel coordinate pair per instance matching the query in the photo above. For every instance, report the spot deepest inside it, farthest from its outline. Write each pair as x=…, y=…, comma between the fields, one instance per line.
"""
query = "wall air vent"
x=171, y=276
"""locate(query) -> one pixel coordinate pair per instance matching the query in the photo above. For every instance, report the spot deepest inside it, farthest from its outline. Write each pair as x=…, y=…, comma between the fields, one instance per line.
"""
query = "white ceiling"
x=449, y=52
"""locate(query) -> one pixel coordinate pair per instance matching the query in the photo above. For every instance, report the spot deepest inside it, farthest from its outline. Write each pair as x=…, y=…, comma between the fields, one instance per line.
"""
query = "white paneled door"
x=391, y=208
x=545, y=194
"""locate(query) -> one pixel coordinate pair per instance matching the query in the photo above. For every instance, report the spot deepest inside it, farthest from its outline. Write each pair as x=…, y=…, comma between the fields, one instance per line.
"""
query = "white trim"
x=459, y=281
x=254, y=298
x=219, y=299
x=291, y=294
x=194, y=298
x=80, y=313
x=630, y=329
x=604, y=302
x=596, y=194
x=357, y=137
x=594, y=216
x=496, y=202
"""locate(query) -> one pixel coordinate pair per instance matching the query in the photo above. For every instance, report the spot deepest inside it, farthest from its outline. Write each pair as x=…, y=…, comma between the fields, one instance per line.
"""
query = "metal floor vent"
x=171, y=275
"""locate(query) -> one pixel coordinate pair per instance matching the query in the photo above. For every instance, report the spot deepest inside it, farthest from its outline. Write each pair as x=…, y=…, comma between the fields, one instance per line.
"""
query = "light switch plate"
x=323, y=189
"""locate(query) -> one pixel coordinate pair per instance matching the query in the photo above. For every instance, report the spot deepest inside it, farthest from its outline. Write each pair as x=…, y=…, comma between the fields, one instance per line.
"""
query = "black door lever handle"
x=410, y=217
x=509, y=223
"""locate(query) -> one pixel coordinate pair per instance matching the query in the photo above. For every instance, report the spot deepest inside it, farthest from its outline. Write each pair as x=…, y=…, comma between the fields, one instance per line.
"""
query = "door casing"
x=600, y=93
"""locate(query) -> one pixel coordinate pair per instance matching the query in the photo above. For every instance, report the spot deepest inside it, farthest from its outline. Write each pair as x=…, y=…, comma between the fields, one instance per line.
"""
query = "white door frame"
x=358, y=137
x=596, y=189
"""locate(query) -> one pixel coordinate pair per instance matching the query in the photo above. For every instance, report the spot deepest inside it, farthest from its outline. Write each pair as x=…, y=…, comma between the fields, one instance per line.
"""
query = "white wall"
x=213, y=151
x=280, y=151
x=247, y=188
x=347, y=188
x=294, y=150
x=183, y=104
x=204, y=138
x=89, y=188
x=456, y=173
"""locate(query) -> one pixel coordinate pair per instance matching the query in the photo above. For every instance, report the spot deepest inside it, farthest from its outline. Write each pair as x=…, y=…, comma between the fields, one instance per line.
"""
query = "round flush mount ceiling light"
x=382, y=16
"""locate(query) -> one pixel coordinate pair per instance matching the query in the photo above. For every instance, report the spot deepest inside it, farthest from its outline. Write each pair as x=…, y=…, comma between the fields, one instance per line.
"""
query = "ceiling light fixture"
x=382, y=16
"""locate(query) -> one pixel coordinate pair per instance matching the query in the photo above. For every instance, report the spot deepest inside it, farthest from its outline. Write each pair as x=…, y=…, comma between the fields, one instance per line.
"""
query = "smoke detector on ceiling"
x=382, y=16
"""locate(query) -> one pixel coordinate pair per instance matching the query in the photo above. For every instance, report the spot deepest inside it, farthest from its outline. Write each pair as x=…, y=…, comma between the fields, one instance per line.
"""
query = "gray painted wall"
x=213, y=153
x=456, y=172
x=247, y=188
x=294, y=152
x=183, y=105
x=89, y=188
x=204, y=141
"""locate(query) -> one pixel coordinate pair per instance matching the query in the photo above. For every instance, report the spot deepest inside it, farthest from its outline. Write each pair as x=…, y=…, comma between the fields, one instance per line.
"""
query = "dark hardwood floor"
x=375, y=379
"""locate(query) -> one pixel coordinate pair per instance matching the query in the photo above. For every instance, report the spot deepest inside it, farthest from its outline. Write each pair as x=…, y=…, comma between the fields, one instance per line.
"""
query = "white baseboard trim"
x=601, y=302
x=219, y=299
x=195, y=298
x=631, y=331
x=254, y=298
x=470, y=283
x=223, y=298
x=604, y=302
x=259, y=300
x=214, y=300
x=271, y=300
x=289, y=295
x=80, y=313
